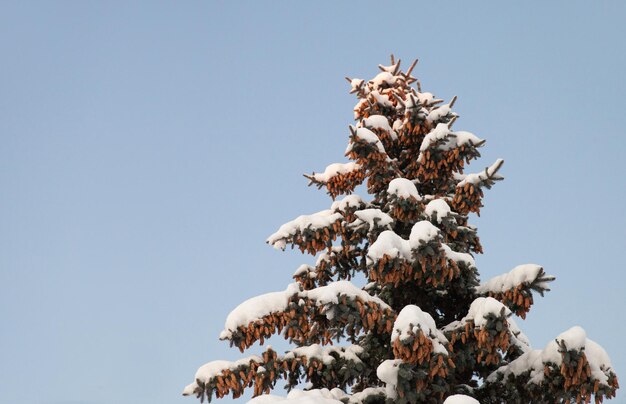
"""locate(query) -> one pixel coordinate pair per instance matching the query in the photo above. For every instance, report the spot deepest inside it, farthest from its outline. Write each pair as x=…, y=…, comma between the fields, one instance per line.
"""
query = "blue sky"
x=149, y=148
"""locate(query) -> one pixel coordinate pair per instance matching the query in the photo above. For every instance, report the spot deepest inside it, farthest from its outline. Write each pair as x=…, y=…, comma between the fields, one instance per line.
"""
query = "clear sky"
x=147, y=149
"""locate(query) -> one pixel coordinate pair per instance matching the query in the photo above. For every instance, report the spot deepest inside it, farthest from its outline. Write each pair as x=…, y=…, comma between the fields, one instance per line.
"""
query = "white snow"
x=391, y=244
x=412, y=319
x=483, y=306
x=358, y=106
x=460, y=399
x=350, y=201
x=323, y=353
x=330, y=293
x=336, y=169
x=452, y=139
x=440, y=132
x=383, y=78
x=189, y=389
x=575, y=339
x=422, y=233
x=370, y=137
x=479, y=309
x=326, y=255
x=598, y=360
x=304, y=269
x=489, y=172
x=525, y=273
x=425, y=98
x=268, y=399
x=356, y=84
x=438, y=113
x=373, y=218
x=318, y=396
x=403, y=188
x=387, y=372
x=391, y=68
x=360, y=397
x=216, y=368
x=462, y=137
x=256, y=308
x=381, y=99
x=321, y=394
x=317, y=220
x=530, y=360
x=465, y=258
x=437, y=209
x=378, y=122
x=411, y=102
x=260, y=306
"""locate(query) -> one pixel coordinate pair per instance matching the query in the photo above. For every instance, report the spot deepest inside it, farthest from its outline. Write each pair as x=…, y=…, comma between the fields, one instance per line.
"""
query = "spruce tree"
x=423, y=329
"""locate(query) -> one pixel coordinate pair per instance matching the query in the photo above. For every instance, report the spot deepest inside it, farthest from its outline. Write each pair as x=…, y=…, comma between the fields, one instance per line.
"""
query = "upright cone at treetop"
x=424, y=329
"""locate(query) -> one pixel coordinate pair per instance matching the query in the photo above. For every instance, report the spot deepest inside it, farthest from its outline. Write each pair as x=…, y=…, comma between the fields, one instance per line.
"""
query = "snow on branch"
x=380, y=122
x=514, y=289
x=437, y=210
x=308, y=277
x=348, y=204
x=324, y=396
x=403, y=188
x=469, y=191
x=221, y=377
x=443, y=153
x=442, y=138
x=338, y=178
x=413, y=383
x=310, y=233
x=367, y=150
x=364, y=138
x=383, y=80
x=487, y=331
x=442, y=113
x=460, y=399
x=415, y=339
x=339, y=307
x=316, y=232
x=571, y=367
x=317, y=396
x=370, y=223
x=423, y=257
x=333, y=366
x=486, y=177
x=403, y=200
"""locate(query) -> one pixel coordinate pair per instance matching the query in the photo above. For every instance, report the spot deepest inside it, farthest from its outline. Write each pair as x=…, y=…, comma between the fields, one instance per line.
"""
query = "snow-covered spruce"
x=469, y=190
x=403, y=200
x=303, y=364
x=310, y=233
x=324, y=396
x=423, y=258
x=416, y=340
x=338, y=178
x=423, y=329
x=316, y=232
x=571, y=367
x=345, y=307
x=515, y=288
x=488, y=327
